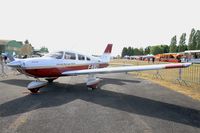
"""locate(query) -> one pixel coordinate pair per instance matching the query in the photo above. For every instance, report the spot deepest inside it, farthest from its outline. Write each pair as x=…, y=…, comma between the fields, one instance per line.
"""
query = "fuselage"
x=54, y=64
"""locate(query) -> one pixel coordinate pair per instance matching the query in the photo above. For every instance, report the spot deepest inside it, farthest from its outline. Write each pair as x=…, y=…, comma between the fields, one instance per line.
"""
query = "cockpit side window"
x=71, y=56
x=81, y=57
x=56, y=55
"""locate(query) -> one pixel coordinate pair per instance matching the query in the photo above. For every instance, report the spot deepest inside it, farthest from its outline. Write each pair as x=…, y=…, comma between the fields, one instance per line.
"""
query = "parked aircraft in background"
x=68, y=63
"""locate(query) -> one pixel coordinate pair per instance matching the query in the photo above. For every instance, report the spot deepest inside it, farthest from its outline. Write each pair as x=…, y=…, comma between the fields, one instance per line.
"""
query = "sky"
x=88, y=26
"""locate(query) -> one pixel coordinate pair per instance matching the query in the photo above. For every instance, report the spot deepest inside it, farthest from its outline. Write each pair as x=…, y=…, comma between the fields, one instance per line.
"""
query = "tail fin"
x=107, y=53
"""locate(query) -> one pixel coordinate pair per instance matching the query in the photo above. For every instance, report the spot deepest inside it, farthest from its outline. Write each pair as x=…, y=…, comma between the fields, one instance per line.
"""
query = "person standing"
x=148, y=59
x=5, y=59
x=153, y=60
x=2, y=65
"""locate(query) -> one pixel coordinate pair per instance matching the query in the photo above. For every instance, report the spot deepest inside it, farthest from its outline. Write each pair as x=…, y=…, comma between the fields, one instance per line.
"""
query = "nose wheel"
x=34, y=86
x=91, y=88
x=92, y=82
x=34, y=90
x=50, y=80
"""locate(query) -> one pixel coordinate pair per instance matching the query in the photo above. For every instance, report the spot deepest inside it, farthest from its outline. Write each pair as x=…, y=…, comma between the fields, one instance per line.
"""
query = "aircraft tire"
x=50, y=80
x=34, y=90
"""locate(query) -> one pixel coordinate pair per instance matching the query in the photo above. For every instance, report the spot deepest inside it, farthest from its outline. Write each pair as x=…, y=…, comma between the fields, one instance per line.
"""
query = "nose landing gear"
x=92, y=82
x=34, y=91
x=34, y=86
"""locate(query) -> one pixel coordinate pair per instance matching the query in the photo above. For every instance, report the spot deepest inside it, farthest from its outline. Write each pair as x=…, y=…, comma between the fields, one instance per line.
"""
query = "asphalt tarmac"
x=123, y=103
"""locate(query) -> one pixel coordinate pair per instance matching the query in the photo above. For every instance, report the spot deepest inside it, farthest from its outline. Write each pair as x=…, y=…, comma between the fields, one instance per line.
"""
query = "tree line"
x=174, y=47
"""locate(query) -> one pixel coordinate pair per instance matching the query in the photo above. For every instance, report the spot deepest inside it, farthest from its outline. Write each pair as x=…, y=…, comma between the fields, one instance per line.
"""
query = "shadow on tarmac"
x=17, y=82
x=119, y=81
x=58, y=94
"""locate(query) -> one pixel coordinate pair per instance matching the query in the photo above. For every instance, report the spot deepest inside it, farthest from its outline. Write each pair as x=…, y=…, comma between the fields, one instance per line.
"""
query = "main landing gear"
x=50, y=80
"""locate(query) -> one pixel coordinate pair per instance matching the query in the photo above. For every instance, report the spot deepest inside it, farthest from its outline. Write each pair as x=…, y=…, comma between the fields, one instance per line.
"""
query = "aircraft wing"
x=125, y=69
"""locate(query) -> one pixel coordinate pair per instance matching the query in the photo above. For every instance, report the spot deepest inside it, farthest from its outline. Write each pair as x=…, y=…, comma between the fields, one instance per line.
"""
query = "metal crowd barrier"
x=185, y=76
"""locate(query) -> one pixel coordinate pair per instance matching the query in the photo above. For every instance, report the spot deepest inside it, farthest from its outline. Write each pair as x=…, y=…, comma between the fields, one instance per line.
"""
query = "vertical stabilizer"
x=107, y=53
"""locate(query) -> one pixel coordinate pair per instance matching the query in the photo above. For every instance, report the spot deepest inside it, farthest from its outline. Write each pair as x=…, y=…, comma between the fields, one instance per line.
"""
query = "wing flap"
x=126, y=69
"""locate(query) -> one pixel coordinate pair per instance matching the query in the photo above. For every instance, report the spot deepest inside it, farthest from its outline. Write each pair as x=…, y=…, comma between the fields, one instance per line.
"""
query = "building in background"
x=17, y=48
x=10, y=46
x=3, y=44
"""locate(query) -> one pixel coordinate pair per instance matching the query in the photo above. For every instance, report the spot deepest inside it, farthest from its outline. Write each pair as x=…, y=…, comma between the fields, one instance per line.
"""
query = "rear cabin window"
x=70, y=56
x=81, y=57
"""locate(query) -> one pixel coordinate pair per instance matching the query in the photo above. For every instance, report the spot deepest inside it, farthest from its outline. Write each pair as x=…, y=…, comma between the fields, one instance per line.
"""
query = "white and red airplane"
x=68, y=63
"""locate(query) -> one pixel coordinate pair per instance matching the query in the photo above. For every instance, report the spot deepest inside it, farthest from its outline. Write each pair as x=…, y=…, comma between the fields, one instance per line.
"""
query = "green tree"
x=147, y=50
x=138, y=51
x=44, y=49
x=165, y=48
x=198, y=40
x=192, y=41
x=124, y=51
x=141, y=51
x=130, y=51
x=182, y=44
x=172, y=46
x=156, y=49
x=26, y=42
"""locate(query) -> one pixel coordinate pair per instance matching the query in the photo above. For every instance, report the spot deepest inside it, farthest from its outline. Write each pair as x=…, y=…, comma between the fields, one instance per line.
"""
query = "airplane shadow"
x=118, y=81
x=24, y=83
x=17, y=82
x=58, y=94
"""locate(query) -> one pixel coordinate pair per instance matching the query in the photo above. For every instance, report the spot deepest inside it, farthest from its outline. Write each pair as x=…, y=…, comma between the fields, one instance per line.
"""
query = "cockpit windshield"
x=56, y=55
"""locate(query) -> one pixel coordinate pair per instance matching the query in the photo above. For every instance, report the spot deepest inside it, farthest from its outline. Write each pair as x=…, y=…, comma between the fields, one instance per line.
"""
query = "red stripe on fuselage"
x=55, y=71
x=103, y=65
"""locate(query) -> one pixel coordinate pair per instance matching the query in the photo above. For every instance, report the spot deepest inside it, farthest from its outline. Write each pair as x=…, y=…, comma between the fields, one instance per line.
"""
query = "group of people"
x=152, y=59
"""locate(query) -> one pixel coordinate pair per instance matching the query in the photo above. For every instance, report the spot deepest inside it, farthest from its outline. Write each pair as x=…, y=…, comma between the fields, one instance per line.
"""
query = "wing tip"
x=178, y=65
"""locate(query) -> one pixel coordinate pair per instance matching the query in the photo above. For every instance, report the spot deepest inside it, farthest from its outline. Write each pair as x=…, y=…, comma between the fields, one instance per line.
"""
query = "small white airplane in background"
x=68, y=63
